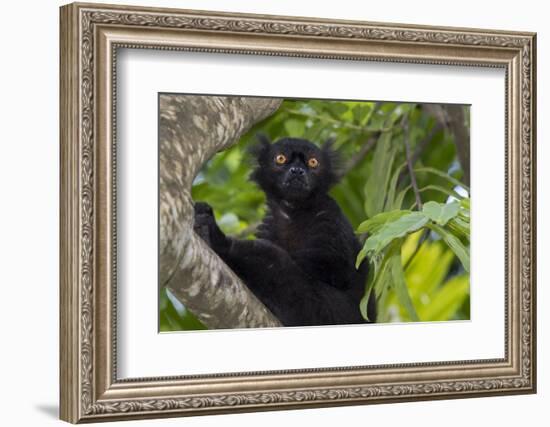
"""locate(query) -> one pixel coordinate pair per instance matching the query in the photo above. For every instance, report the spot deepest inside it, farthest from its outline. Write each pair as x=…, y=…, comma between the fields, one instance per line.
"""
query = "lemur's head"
x=293, y=169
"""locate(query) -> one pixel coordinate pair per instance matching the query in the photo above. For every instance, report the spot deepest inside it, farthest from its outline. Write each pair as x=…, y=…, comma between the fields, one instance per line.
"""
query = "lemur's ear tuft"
x=259, y=153
x=332, y=157
x=261, y=147
x=263, y=139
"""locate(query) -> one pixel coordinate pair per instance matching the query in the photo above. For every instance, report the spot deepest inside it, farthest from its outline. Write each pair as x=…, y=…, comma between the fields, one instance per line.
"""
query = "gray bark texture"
x=192, y=129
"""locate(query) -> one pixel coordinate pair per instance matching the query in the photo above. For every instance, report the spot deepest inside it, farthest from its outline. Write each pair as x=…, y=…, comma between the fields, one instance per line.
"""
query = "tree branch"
x=361, y=154
x=192, y=129
x=419, y=149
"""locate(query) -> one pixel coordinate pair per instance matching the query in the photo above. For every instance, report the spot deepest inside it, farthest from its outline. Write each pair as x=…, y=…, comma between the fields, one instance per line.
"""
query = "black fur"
x=301, y=266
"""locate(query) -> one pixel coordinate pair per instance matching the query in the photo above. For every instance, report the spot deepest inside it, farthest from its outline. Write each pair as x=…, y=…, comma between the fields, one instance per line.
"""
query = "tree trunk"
x=452, y=118
x=192, y=129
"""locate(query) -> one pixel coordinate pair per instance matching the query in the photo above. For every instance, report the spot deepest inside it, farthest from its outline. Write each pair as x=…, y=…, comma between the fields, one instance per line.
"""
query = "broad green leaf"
x=443, y=175
x=380, y=275
x=428, y=269
x=400, y=286
x=454, y=243
x=377, y=182
x=374, y=224
x=350, y=201
x=377, y=121
x=409, y=246
x=358, y=113
x=460, y=227
x=390, y=198
x=398, y=202
x=462, y=222
x=314, y=132
x=406, y=224
x=444, y=190
x=447, y=300
x=363, y=304
x=295, y=128
x=367, y=111
x=441, y=213
x=233, y=160
x=336, y=109
x=464, y=213
x=383, y=297
x=173, y=315
x=360, y=257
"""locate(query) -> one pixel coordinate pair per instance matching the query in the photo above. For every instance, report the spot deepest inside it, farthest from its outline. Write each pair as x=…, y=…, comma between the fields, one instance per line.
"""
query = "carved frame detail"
x=89, y=388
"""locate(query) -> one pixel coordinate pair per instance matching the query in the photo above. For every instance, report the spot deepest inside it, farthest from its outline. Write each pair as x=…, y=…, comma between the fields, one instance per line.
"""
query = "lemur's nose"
x=294, y=170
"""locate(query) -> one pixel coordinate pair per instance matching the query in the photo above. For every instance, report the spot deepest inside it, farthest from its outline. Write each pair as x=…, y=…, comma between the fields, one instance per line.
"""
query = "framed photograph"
x=267, y=212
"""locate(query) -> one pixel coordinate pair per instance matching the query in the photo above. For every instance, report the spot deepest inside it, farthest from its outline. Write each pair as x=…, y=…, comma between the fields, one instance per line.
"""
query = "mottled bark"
x=452, y=118
x=192, y=129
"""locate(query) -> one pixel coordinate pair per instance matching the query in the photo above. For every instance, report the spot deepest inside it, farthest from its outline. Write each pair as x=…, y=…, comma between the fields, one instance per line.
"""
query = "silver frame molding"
x=90, y=36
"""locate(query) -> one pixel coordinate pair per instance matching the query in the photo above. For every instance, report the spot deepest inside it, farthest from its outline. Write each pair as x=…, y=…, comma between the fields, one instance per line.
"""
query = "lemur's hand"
x=205, y=226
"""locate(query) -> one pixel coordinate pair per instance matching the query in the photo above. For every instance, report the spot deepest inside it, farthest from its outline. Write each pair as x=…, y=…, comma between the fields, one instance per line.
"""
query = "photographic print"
x=320, y=212
x=300, y=186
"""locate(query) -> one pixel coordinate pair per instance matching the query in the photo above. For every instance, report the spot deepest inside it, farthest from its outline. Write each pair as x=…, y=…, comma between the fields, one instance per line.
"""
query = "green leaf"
x=454, y=243
x=336, y=109
x=447, y=300
x=360, y=257
x=443, y=175
x=398, y=202
x=350, y=200
x=462, y=222
x=233, y=160
x=379, y=278
x=441, y=213
x=357, y=113
x=427, y=270
x=460, y=227
x=374, y=224
x=443, y=190
x=390, y=199
x=400, y=286
x=294, y=127
x=174, y=316
x=464, y=215
x=383, y=298
x=364, y=303
x=410, y=246
x=377, y=182
x=408, y=223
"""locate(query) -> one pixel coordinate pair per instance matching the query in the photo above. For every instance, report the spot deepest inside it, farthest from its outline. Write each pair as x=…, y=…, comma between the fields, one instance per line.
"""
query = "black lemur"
x=302, y=263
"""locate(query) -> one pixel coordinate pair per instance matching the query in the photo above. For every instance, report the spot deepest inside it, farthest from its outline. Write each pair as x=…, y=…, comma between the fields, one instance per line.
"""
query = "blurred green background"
x=419, y=255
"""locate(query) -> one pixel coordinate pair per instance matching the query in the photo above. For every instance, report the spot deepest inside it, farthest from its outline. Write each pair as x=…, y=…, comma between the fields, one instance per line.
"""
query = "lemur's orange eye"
x=280, y=159
x=313, y=162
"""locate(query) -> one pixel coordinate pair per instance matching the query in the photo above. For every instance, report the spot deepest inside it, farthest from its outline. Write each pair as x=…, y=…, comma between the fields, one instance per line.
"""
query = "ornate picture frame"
x=90, y=37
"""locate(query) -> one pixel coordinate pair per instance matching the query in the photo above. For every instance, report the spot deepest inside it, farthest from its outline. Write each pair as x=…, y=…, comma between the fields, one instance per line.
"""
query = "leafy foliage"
x=174, y=316
x=393, y=226
x=419, y=255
